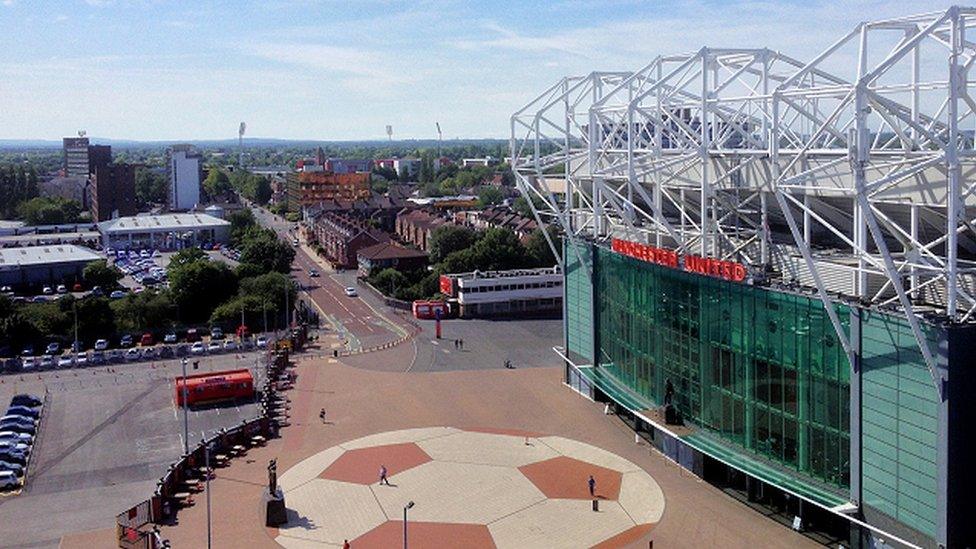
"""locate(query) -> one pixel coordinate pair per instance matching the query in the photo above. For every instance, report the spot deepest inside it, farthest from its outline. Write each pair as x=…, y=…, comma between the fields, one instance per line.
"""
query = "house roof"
x=389, y=250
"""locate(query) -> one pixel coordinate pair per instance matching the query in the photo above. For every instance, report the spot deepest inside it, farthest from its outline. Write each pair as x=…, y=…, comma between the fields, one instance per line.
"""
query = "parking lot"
x=107, y=434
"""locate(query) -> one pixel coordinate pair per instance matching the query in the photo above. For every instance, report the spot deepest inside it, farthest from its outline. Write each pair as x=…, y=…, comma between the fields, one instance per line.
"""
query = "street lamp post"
x=409, y=505
x=186, y=417
x=206, y=459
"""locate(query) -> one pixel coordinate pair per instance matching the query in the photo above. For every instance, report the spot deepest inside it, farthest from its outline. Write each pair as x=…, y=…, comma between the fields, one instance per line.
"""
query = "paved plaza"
x=471, y=488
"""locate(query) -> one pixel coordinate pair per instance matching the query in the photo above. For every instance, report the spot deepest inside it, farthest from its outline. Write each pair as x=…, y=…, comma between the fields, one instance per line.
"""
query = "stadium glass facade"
x=763, y=372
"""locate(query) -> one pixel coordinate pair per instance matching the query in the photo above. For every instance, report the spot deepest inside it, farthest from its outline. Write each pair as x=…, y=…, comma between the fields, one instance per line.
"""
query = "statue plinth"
x=275, y=512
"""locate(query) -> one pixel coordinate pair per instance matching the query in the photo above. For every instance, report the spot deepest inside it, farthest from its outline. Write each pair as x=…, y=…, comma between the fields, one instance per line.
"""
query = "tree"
x=151, y=187
x=199, y=286
x=448, y=239
x=98, y=273
x=49, y=211
x=389, y=281
x=262, y=190
x=521, y=205
x=499, y=249
x=269, y=288
x=488, y=196
x=262, y=247
x=241, y=222
x=404, y=174
x=538, y=250
x=146, y=312
x=216, y=183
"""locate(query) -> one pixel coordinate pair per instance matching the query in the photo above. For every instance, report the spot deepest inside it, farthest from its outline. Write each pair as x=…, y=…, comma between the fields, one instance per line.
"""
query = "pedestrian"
x=383, y=479
x=456, y=345
x=345, y=544
x=592, y=484
x=461, y=343
x=322, y=415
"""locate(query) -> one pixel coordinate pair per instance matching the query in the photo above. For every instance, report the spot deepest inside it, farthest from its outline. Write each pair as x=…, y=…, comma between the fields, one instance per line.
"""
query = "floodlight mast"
x=240, y=143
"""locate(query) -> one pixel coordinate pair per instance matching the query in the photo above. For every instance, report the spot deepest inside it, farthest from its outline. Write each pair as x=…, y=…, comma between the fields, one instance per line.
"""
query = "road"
x=356, y=319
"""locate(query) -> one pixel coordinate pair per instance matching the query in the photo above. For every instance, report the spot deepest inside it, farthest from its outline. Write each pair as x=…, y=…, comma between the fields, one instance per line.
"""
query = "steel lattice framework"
x=850, y=174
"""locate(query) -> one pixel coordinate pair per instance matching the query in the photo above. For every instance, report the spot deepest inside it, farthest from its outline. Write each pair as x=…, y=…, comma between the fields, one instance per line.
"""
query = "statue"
x=273, y=476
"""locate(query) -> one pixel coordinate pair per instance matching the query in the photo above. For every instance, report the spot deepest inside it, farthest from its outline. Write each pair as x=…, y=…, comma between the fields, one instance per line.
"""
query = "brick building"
x=113, y=191
x=389, y=255
x=310, y=187
x=414, y=226
x=341, y=236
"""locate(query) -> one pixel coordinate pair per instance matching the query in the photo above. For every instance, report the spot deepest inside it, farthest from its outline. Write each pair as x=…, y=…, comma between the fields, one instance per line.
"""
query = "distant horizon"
x=253, y=141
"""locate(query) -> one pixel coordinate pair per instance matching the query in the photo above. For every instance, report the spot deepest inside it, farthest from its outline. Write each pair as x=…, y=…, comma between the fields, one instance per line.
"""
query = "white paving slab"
x=330, y=511
x=641, y=497
x=590, y=454
x=560, y=523
x=289, y=542
x=398, y=437
x=458, y=493
x=486, y=449
x=308, y=469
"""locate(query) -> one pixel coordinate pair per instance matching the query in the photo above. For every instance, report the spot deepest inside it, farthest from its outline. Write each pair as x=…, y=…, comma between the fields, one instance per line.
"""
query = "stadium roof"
x=45, y=255
x=161, y=223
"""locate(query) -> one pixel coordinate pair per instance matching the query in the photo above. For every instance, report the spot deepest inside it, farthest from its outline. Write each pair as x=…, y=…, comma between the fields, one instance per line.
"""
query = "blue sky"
x=336, y=70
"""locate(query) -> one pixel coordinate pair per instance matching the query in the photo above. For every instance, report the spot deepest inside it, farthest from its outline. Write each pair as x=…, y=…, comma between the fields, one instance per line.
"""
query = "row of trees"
x=459, y=250
x=17, y=185
x=51, y=210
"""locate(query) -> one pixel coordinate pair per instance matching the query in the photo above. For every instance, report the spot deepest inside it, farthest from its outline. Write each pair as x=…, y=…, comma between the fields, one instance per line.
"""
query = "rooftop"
x=389, y=250
x=44, y=255
x=164, y=222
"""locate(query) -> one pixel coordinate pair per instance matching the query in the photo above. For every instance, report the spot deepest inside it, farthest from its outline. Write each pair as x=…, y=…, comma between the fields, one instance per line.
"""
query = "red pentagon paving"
x=426, y=535
x=565, y=478
x=362, y=466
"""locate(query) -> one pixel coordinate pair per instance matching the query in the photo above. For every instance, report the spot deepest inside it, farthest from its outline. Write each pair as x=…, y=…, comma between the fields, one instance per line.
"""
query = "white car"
x=81, y=359
x=65, y=361
x=47, y=290
x=101, y=345
x=230, y=345
x=262, y=342
x=132, y=353
x=351, y=292
x=9, y=480
x=214, y=347
x=62, y=289
x=13, y=436
x=28, y=363
x=198, y=348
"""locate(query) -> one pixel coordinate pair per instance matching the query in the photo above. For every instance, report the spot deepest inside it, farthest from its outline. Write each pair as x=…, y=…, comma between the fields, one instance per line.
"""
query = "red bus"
x=225, y=385
x=427, y=310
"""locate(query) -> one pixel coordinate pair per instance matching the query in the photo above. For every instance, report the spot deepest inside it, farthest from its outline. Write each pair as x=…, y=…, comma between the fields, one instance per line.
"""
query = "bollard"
x=596, y=505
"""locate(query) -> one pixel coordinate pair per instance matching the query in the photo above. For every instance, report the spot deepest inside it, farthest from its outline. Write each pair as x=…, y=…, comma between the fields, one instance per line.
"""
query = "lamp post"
x=409, y=505
x=206, y=464
x=186, y=417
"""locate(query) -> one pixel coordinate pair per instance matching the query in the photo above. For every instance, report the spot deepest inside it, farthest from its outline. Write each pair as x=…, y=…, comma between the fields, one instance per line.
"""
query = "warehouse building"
x=43, y=265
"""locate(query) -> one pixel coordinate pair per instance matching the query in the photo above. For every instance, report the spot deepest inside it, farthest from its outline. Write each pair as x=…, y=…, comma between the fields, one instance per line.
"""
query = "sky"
x=344, y=69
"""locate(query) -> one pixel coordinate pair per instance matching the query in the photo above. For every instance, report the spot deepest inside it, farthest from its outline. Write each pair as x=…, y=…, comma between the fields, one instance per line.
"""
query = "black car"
x=22, y=411
x=11, y=456
x=25, y=399
x=18, y=427
x=16, y=468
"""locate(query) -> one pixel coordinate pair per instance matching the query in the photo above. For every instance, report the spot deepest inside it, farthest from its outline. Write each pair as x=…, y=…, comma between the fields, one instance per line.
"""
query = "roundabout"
x=469, y=488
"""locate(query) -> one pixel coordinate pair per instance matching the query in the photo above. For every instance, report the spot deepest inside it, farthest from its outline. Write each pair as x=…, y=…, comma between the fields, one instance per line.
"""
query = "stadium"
x=784, y=251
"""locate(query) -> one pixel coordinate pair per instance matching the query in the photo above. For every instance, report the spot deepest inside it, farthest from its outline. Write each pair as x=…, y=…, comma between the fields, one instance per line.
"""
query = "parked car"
x=230, y=345
x=149, y=352
x=98, y=357
x=28, y=363
x=22, y=438
x=17, y=458
x=23, y=411
x=53, y=348
x=126, y=341
x=20, y=426
x=97, y=291
x=132, y=354
x=9, y=480
x=47, y=361
x=351, y=292
x=62, y=289
x=146, y=339
x=81, y=359
x=214, y=347
x=169, y=338
x=198, y=348
x=77, y=287
x=192, y=335
x=14, y=468
x=101, y=345
x=117, y=294
x=6, y=290
x=113, y=355
x=47, y=290
x=312, y=273
x=262, y=342
x=165, y=351
x=16, y=446
x=216, y=333
x=28, y=351
x=65, y=361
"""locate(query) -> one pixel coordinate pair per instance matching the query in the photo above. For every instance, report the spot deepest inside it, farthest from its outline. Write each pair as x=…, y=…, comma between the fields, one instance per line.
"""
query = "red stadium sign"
x=728, y=270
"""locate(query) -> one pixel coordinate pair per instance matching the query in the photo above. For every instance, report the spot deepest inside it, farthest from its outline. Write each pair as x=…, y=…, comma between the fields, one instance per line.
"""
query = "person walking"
x=322, y=415
x=345, y=544
x=383, y=479
x=592, y=484
x=461, y=343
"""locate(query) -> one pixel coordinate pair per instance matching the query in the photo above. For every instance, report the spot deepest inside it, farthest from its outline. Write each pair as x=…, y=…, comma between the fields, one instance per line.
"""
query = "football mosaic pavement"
x=471, y=488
